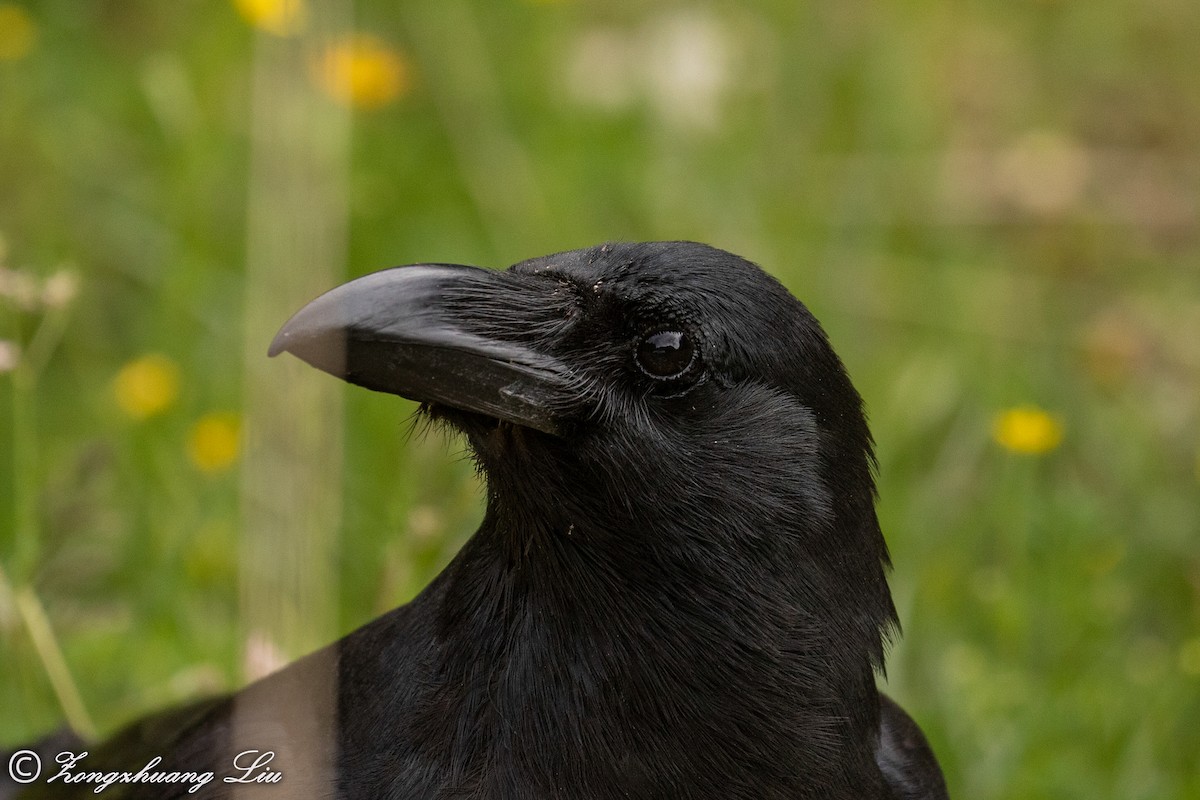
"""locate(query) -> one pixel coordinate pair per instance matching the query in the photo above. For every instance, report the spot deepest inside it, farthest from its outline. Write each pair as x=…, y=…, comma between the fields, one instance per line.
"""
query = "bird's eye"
x=665, y=354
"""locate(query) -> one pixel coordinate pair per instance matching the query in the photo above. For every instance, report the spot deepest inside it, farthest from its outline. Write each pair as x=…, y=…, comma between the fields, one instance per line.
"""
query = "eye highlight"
x=665, y=354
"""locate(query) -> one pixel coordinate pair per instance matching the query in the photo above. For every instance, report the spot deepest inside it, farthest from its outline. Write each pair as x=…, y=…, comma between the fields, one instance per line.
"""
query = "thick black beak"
x=458, y=336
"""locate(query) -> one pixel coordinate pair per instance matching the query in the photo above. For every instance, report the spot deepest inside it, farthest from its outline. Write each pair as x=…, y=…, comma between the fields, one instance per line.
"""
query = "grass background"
x=987, y=204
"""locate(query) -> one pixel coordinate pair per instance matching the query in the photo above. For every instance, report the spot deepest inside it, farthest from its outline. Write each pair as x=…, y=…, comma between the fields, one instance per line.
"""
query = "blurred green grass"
x=987, y=204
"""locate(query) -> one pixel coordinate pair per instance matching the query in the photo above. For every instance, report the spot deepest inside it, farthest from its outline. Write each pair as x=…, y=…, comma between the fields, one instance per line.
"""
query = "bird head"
x=647, y=405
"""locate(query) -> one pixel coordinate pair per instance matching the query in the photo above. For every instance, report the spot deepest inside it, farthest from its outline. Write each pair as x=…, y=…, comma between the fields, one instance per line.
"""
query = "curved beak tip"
x=311, y=329
x=279, y=343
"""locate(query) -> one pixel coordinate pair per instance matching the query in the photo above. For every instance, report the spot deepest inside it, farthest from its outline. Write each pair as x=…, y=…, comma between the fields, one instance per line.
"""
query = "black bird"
x=677, y=590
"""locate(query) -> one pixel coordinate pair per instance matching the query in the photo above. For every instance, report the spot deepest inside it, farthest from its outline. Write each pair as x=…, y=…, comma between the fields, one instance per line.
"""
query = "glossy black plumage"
x=677, y=590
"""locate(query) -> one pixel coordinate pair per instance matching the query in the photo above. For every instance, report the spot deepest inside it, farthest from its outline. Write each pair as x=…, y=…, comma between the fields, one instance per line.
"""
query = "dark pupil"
x=665, y=354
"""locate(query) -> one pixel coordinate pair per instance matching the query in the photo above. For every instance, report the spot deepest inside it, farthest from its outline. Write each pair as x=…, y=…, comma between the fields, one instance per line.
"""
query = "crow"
x=678, y=587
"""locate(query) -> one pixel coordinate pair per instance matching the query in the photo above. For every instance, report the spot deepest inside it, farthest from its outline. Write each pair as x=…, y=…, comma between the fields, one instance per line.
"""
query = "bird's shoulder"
x=905, y=757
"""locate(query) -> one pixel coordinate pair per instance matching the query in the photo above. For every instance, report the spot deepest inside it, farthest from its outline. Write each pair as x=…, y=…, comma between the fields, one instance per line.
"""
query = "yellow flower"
x=18, y=33
x=280, y=17
x=147, y=386
x=1027, y=430
x=362, y=71
x=215, y=441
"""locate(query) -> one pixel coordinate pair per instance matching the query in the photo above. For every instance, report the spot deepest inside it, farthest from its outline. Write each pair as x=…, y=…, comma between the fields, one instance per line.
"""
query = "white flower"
x=60, y=289
x=10, y=354
x=678, y=64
